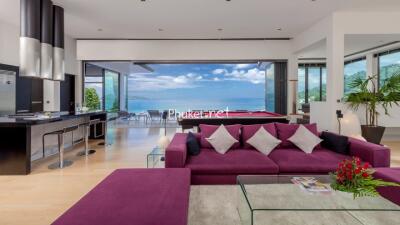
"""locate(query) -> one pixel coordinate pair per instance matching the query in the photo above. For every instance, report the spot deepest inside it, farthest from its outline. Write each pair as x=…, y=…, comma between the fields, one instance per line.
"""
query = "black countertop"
x=21, y=122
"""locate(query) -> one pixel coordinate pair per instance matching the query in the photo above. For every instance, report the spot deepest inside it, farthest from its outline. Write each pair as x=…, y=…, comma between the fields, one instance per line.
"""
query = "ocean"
x=183, y=105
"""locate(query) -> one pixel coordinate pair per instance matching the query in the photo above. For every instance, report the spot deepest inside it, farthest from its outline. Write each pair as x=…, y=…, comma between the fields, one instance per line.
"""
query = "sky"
x=199, y=81
x=390, y=59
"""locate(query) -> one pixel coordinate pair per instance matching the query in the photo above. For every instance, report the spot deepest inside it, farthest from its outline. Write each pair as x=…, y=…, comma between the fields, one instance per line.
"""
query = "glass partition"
x=94, y=92
x=101, y=88
x=111, y=91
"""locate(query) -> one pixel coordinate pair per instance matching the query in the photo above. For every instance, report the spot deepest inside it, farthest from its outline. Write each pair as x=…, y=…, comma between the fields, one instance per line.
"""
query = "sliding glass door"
x=251, y=86
x=111, y=91
x=101, y=88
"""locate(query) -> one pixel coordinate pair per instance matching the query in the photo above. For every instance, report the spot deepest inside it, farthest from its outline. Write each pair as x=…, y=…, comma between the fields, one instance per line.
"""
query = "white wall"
x=334, y=28
x=312, y=35
x=9, y=44
x=72, y=65
x=171, y=50
x=181, y=50
x=9, y=54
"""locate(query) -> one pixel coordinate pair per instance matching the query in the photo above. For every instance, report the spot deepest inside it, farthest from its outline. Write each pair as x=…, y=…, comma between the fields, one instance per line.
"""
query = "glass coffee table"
x=275, y=200
x=156, y=158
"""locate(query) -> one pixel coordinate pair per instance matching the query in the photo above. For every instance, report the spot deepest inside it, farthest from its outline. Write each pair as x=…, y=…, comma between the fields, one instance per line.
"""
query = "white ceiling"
x=195, y=18
x=352, y=44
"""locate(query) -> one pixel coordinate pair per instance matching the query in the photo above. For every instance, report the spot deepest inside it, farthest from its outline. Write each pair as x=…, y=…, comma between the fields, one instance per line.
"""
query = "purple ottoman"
x=134, y=196
x=392, y=175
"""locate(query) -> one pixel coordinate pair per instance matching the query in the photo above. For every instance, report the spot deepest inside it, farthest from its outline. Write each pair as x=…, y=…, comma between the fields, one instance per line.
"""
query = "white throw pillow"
x=305, y=139
x=221, y=140
x=263, y=141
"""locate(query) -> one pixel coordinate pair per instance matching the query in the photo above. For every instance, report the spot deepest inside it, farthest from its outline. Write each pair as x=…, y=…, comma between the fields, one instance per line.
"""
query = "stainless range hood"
x=58, y=41
x=46, y=39
x=30, y=39
x=42, y=40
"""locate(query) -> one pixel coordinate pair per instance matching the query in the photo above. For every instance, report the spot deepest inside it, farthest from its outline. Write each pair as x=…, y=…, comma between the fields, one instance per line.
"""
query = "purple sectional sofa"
x=134, y=197
x=391, y=175
x=210, y=167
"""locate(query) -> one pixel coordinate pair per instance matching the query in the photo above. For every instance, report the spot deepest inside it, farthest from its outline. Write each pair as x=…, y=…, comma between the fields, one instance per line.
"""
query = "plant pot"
x=372, y=134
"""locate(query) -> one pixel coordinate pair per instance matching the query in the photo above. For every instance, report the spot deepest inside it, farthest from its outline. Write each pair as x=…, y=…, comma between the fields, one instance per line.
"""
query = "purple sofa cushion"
x=176, y=152
x=249, y=130
x=392, y=175
x=208, y=130
x=134, y=196
x=293, y=160
x=285, y=131
x=239, y=161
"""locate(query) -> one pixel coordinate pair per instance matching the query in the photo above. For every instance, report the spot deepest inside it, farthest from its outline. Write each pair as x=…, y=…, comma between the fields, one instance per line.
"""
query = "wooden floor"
x=42, y=196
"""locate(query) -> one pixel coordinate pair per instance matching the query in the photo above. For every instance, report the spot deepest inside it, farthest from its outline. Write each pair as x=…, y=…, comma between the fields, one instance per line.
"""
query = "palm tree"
x=366, y=93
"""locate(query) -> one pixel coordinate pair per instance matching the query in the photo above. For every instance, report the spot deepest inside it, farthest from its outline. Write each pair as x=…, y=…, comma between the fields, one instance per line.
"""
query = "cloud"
x=140, y=82
x=181, y=80
x=146, y=82
x=191, y=75
x=254, y=75
x=219, y=71
x=242, y=66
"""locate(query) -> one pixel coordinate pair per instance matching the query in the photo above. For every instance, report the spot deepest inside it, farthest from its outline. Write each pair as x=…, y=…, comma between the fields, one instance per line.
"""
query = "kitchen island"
x=21, y=138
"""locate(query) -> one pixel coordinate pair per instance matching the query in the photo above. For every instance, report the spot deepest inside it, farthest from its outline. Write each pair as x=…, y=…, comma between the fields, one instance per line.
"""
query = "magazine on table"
x=311, y=184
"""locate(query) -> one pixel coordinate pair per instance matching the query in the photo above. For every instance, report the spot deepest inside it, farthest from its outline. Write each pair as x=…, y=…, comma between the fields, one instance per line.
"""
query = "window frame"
x=306, y=67
x=378, y=58
x=349, y=62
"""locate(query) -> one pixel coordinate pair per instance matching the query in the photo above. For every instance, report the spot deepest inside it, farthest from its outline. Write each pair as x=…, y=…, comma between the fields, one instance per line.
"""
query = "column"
x=326, y=113
x=372, y=67
x=292, y=75
x=79, y=85
x=51, y=95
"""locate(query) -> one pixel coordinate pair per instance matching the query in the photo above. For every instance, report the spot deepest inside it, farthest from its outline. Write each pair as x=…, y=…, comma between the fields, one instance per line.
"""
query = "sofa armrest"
x=376, y=155
x=176, y=152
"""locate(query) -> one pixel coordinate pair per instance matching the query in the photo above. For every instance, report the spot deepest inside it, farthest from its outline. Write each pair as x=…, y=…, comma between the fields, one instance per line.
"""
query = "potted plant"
x=366, y=93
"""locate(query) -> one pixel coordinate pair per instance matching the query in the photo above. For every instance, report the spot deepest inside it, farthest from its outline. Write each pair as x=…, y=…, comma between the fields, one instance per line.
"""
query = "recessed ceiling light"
x=220, y=29
x=160, y=29
x=278, y=29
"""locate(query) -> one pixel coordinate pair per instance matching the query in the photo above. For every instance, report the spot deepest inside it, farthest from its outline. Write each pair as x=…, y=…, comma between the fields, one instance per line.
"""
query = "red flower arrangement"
x=355, y=177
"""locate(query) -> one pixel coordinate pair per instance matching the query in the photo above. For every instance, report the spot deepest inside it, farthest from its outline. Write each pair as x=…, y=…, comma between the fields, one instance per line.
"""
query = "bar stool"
x=60, y=133
x=104, y=122
x=86, y=133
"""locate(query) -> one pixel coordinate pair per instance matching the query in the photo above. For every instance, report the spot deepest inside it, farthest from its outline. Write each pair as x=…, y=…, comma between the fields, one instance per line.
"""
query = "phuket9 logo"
x=198, y=114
